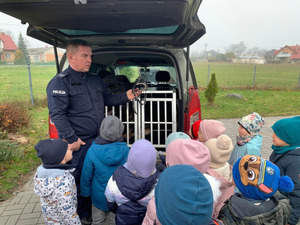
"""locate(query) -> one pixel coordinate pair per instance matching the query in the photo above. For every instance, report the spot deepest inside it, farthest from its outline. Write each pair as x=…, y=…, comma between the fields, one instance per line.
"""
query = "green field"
x=268, y=76
x=14, y=82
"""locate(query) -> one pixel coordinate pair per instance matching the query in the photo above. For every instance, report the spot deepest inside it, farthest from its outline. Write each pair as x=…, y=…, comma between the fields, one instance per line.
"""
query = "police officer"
x=76, y=101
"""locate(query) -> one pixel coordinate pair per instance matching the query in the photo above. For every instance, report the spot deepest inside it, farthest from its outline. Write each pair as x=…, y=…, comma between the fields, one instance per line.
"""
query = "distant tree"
x=237, y=49
x=240, y=48
x=19, y=58
x=221, y=58
x=229, y=56
x=269, y=55
x=22, y=46
x=253, y=51
x=211, y=90
x=256, y=51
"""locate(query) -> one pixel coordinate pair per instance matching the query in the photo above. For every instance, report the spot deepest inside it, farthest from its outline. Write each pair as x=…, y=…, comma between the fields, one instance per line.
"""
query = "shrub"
x=8, y=150
x=212, y=90
x=13, y=116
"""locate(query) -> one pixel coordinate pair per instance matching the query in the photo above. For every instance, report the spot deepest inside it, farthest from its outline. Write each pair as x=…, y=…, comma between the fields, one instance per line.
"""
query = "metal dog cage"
x=152, y=117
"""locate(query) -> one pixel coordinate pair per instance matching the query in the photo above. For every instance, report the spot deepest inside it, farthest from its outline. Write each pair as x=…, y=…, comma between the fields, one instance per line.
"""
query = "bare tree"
x=237, y=49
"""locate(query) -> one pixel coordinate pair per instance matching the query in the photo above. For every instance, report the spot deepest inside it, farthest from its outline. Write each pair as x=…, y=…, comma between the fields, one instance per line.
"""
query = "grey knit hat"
x=111, y=128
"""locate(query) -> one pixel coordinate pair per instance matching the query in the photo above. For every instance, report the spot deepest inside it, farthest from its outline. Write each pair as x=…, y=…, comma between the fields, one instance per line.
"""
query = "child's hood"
x=47, y=180
x=112, y=154
x=190, y=152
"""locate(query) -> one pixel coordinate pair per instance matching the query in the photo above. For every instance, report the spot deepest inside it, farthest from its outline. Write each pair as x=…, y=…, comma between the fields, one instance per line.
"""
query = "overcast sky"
x=267, y=24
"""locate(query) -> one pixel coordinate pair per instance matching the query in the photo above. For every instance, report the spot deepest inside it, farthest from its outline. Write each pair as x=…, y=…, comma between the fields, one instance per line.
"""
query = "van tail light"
x=52, y=130
x=193, y=109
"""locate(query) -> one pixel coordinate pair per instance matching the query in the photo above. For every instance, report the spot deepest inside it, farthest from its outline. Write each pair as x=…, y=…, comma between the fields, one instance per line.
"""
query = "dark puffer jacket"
x=289, y=164
x=128, y=195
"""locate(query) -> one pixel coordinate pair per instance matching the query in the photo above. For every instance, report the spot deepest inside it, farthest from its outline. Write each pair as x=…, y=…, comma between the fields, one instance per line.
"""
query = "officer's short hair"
x=75, y=43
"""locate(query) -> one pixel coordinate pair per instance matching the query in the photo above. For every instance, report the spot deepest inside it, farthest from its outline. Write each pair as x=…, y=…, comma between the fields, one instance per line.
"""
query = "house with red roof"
x=289, y=54
x=8, y=49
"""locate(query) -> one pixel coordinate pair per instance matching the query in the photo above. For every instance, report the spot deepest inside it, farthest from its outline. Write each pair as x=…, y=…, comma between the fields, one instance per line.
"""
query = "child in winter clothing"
x=220, y=149
x=187, y=152
x=55, y=184
x=193, y=132
x=210, y=129
x=257, y=180
x=162, y=155
x=103, y=157
x=132, y=185
x=176, y=135
x=249, y=141
x=190, y=203
x=286, y=155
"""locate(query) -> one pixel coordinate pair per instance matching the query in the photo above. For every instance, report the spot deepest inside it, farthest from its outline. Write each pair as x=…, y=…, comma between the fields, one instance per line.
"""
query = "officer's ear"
x=70, y=56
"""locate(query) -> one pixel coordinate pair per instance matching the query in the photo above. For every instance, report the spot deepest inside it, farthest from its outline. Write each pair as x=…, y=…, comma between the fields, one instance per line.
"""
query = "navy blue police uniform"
x=76, y=104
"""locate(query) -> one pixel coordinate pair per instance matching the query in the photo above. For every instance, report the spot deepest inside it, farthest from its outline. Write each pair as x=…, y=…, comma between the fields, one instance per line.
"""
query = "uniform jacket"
x=58, y=195
x=128, y=195
x=226, y=188
x=76, y=104
x=253, y=147
x=289, y=164
x=100, y=163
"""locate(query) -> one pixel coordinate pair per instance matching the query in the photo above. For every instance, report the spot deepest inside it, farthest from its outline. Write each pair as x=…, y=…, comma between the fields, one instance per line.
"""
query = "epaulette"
x=63, y=74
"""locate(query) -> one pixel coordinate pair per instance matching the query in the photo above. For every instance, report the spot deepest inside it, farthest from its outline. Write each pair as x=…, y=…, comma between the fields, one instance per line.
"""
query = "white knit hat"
x=220, y=149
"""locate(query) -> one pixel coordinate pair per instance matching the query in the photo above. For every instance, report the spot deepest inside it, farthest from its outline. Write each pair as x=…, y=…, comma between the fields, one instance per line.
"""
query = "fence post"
x=208, y=74
x=30, y=84
x=254, y=76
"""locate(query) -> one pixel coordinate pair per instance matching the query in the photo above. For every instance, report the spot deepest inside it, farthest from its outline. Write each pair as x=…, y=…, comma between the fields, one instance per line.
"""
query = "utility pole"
x=205, y=45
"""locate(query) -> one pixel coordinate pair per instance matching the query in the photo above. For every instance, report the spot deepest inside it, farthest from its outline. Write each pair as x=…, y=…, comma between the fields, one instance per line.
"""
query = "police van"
x=136, y=44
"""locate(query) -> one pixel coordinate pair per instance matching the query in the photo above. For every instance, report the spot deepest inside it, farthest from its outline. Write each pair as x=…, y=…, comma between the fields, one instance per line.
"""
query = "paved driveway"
x=24, y=207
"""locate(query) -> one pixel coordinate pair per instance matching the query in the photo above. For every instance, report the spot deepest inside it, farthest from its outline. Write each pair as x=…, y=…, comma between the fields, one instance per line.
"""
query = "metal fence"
x=262, y=76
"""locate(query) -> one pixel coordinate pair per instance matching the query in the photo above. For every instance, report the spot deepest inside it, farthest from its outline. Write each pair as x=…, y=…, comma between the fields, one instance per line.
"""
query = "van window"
x=148, y=74
x=157, y=30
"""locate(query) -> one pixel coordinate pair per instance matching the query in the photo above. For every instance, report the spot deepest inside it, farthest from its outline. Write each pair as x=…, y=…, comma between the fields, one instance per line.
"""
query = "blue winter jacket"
x=100, y=163
x=252, y=147
x=76, y=104
x=289, y=164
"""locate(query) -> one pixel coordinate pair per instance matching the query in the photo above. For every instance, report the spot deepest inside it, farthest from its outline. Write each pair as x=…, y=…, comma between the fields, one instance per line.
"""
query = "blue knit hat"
x=51, y=151
x=176, y=135
x=183, y=196
x=257, y=178
x=141, y=159
x=252, y=123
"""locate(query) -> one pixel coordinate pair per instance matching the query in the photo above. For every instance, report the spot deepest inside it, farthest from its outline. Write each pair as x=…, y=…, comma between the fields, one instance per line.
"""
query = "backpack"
x=277, y=216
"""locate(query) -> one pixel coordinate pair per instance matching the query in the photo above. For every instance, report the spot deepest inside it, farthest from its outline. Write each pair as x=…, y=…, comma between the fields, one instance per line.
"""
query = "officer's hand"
x=132, y=94
x=76, y=145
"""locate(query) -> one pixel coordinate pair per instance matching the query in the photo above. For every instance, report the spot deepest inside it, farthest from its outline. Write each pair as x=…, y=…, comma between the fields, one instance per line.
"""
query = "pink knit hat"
x=190, y=152
x=211, y=129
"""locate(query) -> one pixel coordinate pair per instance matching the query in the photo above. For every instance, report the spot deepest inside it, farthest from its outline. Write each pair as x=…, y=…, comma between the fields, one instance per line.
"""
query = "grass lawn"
x=268, y=76
x=269, y=100
x=266, y=103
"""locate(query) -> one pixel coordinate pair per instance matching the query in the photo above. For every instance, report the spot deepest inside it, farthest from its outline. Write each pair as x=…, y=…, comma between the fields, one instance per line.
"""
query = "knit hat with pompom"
x=257, y=178
x=220, y=149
